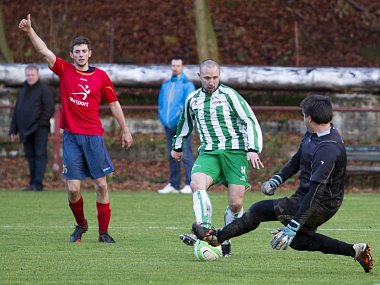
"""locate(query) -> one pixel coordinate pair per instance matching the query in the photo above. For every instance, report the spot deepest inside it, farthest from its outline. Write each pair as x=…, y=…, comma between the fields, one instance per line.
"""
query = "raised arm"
x=40, y=46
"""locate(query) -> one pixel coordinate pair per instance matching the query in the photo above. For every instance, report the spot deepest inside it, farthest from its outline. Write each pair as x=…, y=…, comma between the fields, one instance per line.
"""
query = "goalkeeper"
x=321, y=160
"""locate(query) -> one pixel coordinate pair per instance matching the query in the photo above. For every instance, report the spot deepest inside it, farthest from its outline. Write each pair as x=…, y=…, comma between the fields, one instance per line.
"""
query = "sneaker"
x=206, y=234
x=363, y=256
x=226, y=248
x=76, y=236
x=168, y=189
x=106, y=238
x=188, y=239
x=186, y=190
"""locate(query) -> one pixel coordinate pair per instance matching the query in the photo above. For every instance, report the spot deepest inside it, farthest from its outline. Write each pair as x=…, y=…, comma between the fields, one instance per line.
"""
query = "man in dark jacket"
x=31, y=120
x=171, y=102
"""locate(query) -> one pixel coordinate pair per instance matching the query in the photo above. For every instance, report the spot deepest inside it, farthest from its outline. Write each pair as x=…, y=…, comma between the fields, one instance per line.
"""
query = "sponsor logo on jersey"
x=78, y=102
x=85, y=92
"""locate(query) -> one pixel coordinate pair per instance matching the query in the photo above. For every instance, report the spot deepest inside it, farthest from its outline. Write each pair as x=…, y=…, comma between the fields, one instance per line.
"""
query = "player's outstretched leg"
x=206, y=234
x=188, y=239
x=76, y=236
x=363, y=256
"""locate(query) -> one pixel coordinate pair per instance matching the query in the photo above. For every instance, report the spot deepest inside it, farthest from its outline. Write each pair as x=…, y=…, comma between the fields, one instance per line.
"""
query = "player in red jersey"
x=82, y=87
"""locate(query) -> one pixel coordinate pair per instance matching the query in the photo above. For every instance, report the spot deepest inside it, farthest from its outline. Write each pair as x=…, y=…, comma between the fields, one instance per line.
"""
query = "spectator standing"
x=31, y=120
x=171, y=102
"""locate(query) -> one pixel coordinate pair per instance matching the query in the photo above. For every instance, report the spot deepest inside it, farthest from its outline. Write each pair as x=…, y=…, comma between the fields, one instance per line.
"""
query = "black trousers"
x=264, y=211
x=35, y=148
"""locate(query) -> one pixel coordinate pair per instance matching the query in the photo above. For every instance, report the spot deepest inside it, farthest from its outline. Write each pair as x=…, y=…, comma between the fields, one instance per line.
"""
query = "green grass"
x=35, y=228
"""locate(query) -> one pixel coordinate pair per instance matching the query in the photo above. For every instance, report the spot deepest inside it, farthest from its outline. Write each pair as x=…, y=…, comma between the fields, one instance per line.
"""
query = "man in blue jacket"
x=31, y=120
x=171, y=101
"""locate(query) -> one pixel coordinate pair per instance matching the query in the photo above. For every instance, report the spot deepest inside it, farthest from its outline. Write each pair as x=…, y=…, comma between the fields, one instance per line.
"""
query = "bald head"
x=208, y=64
x=209, y=73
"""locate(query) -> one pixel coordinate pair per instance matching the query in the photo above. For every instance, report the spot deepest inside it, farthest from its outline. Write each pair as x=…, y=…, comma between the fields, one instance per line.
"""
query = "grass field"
x=35, y=228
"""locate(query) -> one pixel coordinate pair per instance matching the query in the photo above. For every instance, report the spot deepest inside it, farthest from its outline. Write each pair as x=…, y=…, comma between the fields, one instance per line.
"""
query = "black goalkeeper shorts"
x=286, y=208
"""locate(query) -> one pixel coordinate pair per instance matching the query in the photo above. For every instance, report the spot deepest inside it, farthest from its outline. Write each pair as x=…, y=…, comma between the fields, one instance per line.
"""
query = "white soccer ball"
x=205, y=252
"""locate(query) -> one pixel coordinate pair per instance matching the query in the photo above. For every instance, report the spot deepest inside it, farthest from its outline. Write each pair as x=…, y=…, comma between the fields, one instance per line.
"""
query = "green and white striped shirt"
x=224, y=120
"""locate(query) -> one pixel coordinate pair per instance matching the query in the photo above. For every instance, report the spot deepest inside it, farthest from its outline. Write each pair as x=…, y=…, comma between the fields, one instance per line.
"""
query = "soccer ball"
x=205, y=252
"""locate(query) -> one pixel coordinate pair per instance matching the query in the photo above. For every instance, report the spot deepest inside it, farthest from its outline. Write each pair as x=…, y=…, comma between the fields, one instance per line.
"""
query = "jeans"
x=35, y=148
x=175, y=166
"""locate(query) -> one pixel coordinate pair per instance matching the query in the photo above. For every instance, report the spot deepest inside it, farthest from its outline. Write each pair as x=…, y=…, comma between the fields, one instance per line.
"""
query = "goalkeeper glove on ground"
x=283, y=237
x=270, y=186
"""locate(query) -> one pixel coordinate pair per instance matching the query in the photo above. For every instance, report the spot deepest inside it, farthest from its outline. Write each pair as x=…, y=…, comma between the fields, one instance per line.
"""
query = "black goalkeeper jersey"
x=321, y=160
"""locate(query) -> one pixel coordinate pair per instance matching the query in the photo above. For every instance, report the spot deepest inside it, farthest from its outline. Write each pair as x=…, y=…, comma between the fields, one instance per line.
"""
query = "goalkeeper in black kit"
x=321, y=160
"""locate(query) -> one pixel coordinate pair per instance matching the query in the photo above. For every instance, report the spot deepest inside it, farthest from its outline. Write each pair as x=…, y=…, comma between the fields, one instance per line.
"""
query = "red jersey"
x=81, y=93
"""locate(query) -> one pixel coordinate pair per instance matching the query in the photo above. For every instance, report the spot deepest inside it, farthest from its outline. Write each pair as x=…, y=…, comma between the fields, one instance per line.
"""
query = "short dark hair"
x=177, y=57
x=80, y=41
x=318, y=107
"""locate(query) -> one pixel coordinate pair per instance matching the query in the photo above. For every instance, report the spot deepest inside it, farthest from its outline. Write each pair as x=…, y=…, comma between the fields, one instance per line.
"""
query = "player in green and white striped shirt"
x=230, y=137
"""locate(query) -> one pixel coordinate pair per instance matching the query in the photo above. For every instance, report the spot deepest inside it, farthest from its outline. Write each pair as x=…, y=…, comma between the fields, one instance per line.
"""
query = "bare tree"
x=207, y=44
x=5, y=52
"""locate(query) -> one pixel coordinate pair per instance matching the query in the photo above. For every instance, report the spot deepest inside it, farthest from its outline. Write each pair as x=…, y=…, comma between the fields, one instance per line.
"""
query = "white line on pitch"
x=179, y=228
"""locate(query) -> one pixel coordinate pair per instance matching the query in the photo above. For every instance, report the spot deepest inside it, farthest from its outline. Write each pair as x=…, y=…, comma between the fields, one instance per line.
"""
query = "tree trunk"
x=207, y=44
x=5, y=52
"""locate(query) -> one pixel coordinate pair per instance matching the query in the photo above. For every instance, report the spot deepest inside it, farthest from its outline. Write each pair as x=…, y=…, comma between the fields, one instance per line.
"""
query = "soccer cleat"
x=186, y=190
x=226, y=248
x=168, y=189
x=76, y=236
x=106, y=238
x=205, y=234
x=188, y=239
x=363, y=256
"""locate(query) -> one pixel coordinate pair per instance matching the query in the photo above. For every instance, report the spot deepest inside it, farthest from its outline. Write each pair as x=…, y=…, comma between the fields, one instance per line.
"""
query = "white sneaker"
x=168, y=189
x=186, y=190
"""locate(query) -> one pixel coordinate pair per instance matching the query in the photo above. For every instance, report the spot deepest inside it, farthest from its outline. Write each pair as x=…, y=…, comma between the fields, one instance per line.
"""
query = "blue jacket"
x=171, y=101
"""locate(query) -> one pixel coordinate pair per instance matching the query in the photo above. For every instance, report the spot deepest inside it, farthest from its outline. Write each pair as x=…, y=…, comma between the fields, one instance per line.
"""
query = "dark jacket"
x=34, y=108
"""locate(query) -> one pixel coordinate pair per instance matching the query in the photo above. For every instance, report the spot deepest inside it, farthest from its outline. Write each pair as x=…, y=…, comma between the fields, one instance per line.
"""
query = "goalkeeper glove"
x=283, y=237
x=270, y=186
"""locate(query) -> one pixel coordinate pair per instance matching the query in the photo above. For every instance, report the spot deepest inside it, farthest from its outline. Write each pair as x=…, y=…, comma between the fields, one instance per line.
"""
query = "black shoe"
x=106, y=238
x=226, y=249
x=34, y=187
x=206, y=234
x=188, y=239
x=76, y=236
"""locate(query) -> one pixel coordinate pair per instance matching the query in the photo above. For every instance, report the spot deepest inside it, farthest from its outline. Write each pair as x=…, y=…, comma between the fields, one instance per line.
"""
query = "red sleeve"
x=59, y=66
x=108, y=90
